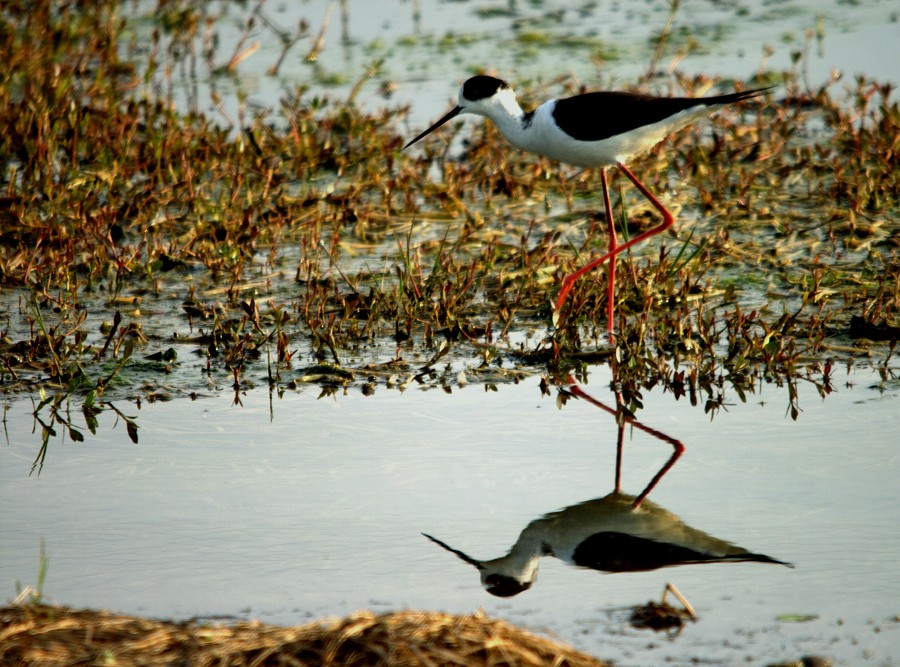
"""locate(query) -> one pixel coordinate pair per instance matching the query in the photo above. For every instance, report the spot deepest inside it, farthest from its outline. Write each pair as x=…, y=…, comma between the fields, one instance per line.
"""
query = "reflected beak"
x=471, y=561
x=450, y=116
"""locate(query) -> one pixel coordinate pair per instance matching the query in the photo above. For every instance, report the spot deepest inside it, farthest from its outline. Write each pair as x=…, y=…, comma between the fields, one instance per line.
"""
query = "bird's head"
x=481, y=95
x=496, y=575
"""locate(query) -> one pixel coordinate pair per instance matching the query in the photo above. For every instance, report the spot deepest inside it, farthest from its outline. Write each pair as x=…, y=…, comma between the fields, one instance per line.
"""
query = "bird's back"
x=603, y=128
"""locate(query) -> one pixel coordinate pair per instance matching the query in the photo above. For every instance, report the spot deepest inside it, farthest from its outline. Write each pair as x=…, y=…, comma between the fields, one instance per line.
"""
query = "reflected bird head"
x=494, y=577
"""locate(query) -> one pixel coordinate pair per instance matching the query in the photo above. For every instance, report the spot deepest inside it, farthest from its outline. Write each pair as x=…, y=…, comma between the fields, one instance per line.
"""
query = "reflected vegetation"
x=55, y=416
x=616, y=533
x=167, y=230
x=60, y=414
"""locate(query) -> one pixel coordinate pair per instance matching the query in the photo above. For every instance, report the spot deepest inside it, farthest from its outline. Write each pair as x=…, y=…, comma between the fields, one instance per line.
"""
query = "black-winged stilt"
x=616, y=533
x=607, y=534
x=599, y=129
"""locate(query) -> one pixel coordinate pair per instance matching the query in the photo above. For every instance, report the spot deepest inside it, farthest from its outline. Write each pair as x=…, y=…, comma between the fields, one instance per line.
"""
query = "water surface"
x=310, y=507
x=300, y=506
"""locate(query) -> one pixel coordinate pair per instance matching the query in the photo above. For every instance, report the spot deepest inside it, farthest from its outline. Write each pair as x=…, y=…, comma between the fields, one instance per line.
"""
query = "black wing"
x=596, y=116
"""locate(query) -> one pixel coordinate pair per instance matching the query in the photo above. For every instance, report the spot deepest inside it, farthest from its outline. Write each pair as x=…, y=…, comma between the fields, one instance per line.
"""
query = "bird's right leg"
x=668, y=221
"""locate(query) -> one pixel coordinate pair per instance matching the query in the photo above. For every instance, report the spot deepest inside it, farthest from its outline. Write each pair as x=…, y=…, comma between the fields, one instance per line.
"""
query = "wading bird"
x=608, y=534
x=599, y=129
x=616, y=533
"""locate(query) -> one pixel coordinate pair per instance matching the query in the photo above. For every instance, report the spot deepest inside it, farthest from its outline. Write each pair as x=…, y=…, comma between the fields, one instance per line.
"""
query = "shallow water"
x=424, y=50
x=290, y=508
x=310, y=507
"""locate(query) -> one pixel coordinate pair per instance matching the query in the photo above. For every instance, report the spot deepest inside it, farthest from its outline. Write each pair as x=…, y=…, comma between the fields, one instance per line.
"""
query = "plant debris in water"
x=661, y=616
x=147, y=253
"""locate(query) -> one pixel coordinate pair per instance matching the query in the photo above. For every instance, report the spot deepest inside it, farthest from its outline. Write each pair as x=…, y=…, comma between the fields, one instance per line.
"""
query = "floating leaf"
x=796, y=618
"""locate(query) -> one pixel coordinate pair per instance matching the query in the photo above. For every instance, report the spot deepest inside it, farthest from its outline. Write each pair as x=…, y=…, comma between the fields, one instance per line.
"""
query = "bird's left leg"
x=613, y=244
x=668, y=221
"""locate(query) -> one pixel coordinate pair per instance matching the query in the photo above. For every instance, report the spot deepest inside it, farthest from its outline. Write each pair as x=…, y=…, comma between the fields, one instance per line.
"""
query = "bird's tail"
x=731, y=98
x=756, y=558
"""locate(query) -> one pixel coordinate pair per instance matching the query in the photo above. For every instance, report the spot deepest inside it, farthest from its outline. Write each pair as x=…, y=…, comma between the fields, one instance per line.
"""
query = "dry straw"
x=38, y=634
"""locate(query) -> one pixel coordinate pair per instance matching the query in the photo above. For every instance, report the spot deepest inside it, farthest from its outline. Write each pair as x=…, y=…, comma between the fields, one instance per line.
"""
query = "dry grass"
x=50, y=636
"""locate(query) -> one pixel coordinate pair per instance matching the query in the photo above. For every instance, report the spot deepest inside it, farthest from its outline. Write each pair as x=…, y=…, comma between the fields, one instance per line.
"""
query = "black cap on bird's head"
x=504, y=586
x=475, y=89
x=481, y=87
x=494, y=582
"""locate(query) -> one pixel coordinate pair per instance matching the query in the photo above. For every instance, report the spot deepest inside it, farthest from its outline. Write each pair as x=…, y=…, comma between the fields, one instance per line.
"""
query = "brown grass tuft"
x=38, y=634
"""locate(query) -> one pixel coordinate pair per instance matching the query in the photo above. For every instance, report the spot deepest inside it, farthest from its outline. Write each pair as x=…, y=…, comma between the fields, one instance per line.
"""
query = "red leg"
x=613, y=244
x=677, y=446
x=620, y=445
x=620, y=439
x=668, y=221
x=677, y=451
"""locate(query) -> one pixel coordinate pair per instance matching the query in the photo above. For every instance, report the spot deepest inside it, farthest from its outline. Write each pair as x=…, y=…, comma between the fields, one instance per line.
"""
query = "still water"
x=298, y=507
x=417, y=52
x=306, y=507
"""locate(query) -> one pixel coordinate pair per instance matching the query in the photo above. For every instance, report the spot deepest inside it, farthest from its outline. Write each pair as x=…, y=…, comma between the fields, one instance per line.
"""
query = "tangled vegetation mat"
x=147, y=253
x=38, y=634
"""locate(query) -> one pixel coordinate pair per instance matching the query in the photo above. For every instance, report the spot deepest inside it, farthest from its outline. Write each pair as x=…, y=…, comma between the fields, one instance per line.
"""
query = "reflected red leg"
x=677, y=446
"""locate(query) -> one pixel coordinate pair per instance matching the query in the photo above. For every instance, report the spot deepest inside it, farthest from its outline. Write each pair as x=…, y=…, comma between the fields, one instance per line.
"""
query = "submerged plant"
x=34, y=594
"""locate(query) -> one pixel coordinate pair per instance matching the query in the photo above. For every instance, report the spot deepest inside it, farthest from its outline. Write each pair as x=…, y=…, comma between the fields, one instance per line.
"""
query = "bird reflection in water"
x=616, y=533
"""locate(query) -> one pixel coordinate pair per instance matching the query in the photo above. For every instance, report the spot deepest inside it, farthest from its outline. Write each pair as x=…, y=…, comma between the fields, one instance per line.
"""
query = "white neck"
x=507, y=115
x=521, y=563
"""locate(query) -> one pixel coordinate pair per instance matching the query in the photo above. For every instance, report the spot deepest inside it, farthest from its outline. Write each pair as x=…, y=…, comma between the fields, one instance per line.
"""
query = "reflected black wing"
x=620, y=552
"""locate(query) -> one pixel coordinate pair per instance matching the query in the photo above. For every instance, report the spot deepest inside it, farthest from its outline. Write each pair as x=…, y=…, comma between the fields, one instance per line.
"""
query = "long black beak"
x=450, y=116
x=471, y=561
